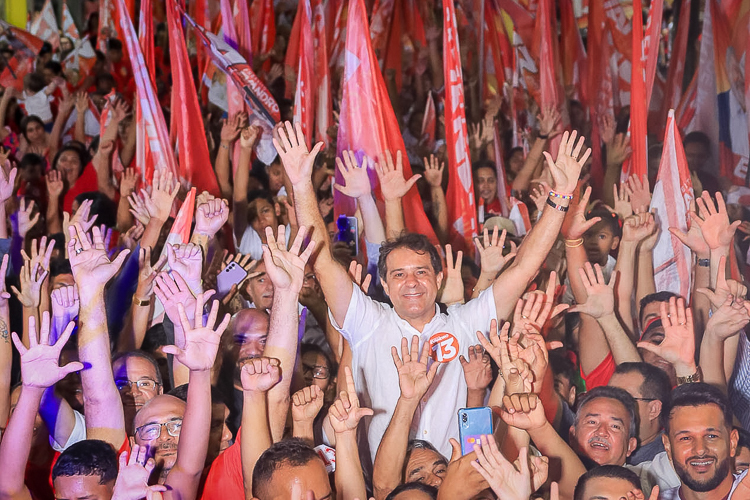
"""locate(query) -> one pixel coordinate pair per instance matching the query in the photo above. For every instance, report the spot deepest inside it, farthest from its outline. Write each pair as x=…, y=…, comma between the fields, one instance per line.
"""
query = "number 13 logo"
x=443, y=347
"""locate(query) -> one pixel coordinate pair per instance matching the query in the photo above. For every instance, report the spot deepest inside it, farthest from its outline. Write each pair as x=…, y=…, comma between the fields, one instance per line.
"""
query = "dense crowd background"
x=286, y=277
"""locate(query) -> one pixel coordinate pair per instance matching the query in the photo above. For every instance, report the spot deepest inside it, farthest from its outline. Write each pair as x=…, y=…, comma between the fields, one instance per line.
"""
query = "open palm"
x=40, y=362
x=292, y=148
x=413, y=376
x=286, y=268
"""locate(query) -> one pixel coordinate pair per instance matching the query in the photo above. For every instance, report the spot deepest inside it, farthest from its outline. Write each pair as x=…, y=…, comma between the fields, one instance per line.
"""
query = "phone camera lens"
x=464, y=418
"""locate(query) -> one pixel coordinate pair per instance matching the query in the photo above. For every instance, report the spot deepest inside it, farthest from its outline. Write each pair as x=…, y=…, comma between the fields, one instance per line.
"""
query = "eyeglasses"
x=149, y=432
x=145, y=384
x=318, y=371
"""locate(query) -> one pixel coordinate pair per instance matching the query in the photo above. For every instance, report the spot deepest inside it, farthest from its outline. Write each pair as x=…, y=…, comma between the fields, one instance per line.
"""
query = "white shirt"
x=372, y=328
x=657, y=471
x=674, y=493
x=38, y=105
x=252, y=245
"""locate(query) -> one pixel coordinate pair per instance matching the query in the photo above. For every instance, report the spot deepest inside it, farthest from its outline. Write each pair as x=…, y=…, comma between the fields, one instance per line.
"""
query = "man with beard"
x=700, y=442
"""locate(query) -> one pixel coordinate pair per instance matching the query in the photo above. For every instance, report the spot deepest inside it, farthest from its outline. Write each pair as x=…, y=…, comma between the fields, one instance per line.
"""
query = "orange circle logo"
x=443, y=347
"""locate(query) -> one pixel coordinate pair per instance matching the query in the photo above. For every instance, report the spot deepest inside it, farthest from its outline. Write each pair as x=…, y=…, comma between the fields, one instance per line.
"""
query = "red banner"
x=45, y=26
x=323, y=102
x=243, y=37
x=638, y=164
x=462, y=214
x=264, y=28
x=68, y=25
x=503, y=189
x=676, y=70
x=573, y=53
x=304, y=93
x=146, y=38
x=291, y=59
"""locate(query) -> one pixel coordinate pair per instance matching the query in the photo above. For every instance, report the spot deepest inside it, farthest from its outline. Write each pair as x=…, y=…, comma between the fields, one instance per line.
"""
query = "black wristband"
x=557, y=207
x=704, y=262
x=541, y=136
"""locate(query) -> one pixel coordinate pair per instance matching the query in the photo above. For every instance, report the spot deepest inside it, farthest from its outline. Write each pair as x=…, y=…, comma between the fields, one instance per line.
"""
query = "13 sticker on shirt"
x=443, y=347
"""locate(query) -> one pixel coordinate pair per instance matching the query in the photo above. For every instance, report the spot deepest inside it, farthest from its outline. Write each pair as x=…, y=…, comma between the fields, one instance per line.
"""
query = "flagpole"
x=481, y=53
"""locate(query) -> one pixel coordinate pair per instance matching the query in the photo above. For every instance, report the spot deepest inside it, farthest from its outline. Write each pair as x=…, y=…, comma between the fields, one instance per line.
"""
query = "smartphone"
x=347, y=232
x=472, y=423
x=233, y=274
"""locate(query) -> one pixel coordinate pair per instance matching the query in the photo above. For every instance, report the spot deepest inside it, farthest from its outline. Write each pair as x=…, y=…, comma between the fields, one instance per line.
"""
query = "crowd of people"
x=306, y=364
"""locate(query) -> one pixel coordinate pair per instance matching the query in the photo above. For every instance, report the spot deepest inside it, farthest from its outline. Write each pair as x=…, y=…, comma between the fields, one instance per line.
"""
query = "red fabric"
x=601, y=374
x=38, y=479
x=638, y=164
x=224, y=480
x=573, y=53
x=677, y=64
x=460, y=195
x=304, y=95
x=194, y=160
x=244, y=38
x=323, y=102
x=264, y=27
x=292, y=52
x=146, y=38
x=87, y=182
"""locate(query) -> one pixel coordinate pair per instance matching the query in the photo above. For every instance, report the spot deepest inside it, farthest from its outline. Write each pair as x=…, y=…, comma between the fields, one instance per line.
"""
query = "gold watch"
x=692, y=379
x=141, y=302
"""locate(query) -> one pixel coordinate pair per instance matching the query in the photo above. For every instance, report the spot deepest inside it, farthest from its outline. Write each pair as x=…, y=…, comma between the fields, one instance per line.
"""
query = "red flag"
x=264, y=28
x=380, y=27
x=706, y=115
x=338, y=46
x=460, y=196
x=45, y=26
x=323, y=102
x=676, y=69
x=291, y=59
x=367, y=124
x=153, y=149
x=179, y=234
x=394, y=48
x=502, y=183
x=243, y=37
x=638, y=164
x=82, y=58
x=68, y=25
x=107, y=11
x=620, y=28
x=673, y=194
x=194, y=160
x=429, y=121
x=303, y=96
x=651, y=45
x=573, y=52
x=146, y=38
x=25, y=47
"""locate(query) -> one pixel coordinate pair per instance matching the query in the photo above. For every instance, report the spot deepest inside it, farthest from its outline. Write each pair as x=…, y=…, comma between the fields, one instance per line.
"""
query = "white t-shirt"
x=252, y=245
x=658, y=471
x=38, y=105
x=371, y=328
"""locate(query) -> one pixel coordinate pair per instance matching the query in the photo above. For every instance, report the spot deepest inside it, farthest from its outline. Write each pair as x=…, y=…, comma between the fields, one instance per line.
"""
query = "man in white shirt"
x=411, y=274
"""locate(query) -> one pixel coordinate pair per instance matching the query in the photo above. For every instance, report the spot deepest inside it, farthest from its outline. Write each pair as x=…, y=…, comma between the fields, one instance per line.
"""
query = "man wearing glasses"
x=138, y=380
x=650, y=388
x=158, y=426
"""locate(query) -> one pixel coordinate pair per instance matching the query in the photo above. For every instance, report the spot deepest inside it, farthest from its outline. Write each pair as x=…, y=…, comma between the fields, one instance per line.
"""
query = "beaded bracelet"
x=557, y=207
x=560, y=195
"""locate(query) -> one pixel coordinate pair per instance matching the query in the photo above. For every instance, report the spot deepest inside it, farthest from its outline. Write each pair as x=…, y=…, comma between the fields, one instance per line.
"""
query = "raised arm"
x=727, y=321
x=82, y=105
x=357, y=186
x=6, y=351
x=57, y=128
x=298, y=164
x=197, y=351
x=492, y=256
x=531, y=254
x=433, y=174
x=158, y=205
x=241, y=180
x=210, y=217
x=230, y=132
x=39, y=370
x=286, y=269
x=128, y=182
x=635, y=228
x=393, y=187
x=132, y=336
x=102, y=162
x=414, y=379
x=101, y=399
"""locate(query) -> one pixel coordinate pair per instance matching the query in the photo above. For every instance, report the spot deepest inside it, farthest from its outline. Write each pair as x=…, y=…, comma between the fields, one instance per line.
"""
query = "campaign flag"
x=263, y=28
x=304, y=93
x=673, y=195
x=82, y=58
x=45, y=26
x=676, y=70
x=153, y=149
x=338, y=46
x=68, y=24
x=367, y=124
x=291, y=59
x=429, y=121
x=25, y=47
x=322, y=72
x=650, y=45
x=619, y=28
x=380, y=27
x=462, y=213
x=638, y=164
x=146, y=38
x=179, y=234
x=519, y=215
x=264, y=109
x=244, y=38
x=194, y=160
x=573, y=52
x=499, y=55
x=107, y=22
x=502, y=182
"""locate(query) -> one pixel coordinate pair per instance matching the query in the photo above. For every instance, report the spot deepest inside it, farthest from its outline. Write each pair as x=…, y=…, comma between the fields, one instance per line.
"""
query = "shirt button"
x=425, y=433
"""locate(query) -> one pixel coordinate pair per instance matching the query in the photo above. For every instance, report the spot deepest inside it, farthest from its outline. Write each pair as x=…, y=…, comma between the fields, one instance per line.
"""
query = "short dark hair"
x=307, y=347
x=424, y=488
x=76, y=148
x=694, y=395
x=31, y=160
x=292, y=452
x=90, y=457
x=139, y=354
x=606, y=471
x=562, y=365
x=413, y=241
x=611, y=219
x=59, y=265
x=417, y=444
x=698, y=137
x=662, y=296
x=252, y=206
x=744, y=438
x=484, y=164
x=102, y=206
x=114, y=44
x=617, y=394
x=181, y=392
x=34, y=82
x=54, y=67
x=656, y=384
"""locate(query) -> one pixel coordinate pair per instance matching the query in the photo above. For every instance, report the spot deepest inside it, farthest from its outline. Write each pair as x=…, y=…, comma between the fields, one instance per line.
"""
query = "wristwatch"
x=692, y=379
x=142, y=303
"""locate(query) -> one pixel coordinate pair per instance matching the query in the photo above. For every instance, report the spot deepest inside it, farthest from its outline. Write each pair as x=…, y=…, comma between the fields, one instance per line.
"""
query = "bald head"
x=249, y=330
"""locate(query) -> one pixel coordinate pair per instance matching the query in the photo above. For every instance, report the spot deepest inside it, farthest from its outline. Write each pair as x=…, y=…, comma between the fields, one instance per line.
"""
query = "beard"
x=702, y=485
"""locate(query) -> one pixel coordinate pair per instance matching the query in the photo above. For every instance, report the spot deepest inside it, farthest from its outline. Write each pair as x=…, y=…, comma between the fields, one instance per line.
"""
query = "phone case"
x=233, y=274
x=348, y=233
x=472, y=423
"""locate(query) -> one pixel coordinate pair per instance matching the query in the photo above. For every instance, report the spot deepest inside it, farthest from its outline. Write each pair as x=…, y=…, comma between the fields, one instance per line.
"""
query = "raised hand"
x=130, y=238
x=638, y=227
x=260, y=374
x=532, y=312
x=201, y=342
x=25, y=219
x=138, y=208
x=514, y=371
x=210, y=217
x=453, y=289
x=413, y=376
x=65, y=303
x=172, y=290
x=249, y=137
x=133, y=475
x=714, y=221
x=163, y=192
x=600, y=296
x=306, y=404
x=231, y=128
x=548, y=121
x=508, y=482
x=356, y=179
x=575, y=224
x=477, y=369
x=187, y=260
x=40, y=255
x=89, y=260
x=539, y=194
x=491, y=251
x=567, y=169
x=128, y=182
x=292, y=148
x=345, y=413
x=31, y=277
x=524, y=411
x=393, y=186
x=729, y=319
x=359, y=277
x=640, y=193
x=433, y=172
x=693, y=238
x=7, y=184
x=618, y=149
x=724, y=287
x=147, y=274
x=39, y=363
x=623, y=207
x=120, y=110
x=678, y=346
x=82, y=102
x=81, y=217
x=286, y=268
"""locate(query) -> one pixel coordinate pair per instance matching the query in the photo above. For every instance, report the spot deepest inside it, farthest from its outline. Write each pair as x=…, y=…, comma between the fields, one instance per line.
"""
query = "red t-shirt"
x=601, y=374
x=224, y=480
x=86, y=182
